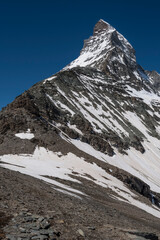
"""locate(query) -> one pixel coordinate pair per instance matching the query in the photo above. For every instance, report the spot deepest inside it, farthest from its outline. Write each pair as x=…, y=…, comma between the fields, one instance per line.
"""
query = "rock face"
x=155, y=78
x=104, y=109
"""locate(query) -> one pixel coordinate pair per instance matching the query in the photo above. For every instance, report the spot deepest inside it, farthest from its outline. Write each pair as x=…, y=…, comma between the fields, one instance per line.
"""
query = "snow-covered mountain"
x=108, y=51
x=97, y=122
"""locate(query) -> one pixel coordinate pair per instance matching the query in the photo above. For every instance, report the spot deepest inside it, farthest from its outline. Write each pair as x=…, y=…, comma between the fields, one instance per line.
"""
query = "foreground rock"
x=34, y=210
x=30, y=226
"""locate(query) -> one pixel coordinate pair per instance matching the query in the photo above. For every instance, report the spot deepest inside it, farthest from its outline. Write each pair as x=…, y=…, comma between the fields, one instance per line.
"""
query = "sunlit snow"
x=25, y=135
x=46, y=163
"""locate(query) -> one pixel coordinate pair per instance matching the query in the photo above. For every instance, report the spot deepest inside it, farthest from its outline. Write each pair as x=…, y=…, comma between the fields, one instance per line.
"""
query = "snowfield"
x=46, y=163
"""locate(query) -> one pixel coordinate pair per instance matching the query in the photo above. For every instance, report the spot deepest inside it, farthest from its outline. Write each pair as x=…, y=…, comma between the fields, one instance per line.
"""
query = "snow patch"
x=25, y=135
x=148, y=97
x=74, y=127
x=49, y=79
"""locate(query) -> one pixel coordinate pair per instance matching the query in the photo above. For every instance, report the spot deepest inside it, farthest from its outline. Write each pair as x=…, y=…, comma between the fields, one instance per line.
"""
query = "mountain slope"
x=96, y=122
x=155, y=79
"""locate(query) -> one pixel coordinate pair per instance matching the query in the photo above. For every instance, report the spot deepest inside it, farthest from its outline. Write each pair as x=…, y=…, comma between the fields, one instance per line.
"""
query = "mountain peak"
x=101, y=26
x=106, y=50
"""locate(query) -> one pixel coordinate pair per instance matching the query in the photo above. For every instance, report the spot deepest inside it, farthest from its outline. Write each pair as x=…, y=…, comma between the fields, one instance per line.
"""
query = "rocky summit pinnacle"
x=92, y=131
x=109, y=51
x=102, y=26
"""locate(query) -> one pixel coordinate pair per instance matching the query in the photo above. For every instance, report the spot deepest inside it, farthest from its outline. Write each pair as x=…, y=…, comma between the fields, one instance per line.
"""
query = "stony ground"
x=32, y=209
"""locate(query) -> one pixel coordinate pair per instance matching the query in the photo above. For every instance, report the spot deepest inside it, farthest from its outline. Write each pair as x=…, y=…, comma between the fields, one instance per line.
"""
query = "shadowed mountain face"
x=96, y=121
x=154, y=78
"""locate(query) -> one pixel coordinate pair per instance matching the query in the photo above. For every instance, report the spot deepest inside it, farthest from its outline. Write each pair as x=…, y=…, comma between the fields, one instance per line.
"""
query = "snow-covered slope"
x=45, y=163
x=97, y=120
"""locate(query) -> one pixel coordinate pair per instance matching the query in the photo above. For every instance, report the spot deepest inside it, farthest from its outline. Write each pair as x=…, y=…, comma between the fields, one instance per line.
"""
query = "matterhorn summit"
x=108, y=50
x=102, y=26
x=85, y=143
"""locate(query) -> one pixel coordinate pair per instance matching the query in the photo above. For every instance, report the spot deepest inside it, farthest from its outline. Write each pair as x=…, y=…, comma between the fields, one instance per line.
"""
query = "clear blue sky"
x=40, y=37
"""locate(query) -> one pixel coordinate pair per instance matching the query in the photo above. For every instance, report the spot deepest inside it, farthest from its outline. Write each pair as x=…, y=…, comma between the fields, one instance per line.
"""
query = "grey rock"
x=28, y=219
x=81, y=232
x=40, y=219
x=45, y=224
x=10, y=237
x=22, y=230
x=91, y=228
x=40, y=237
x=44, y=232
x=34, y=233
